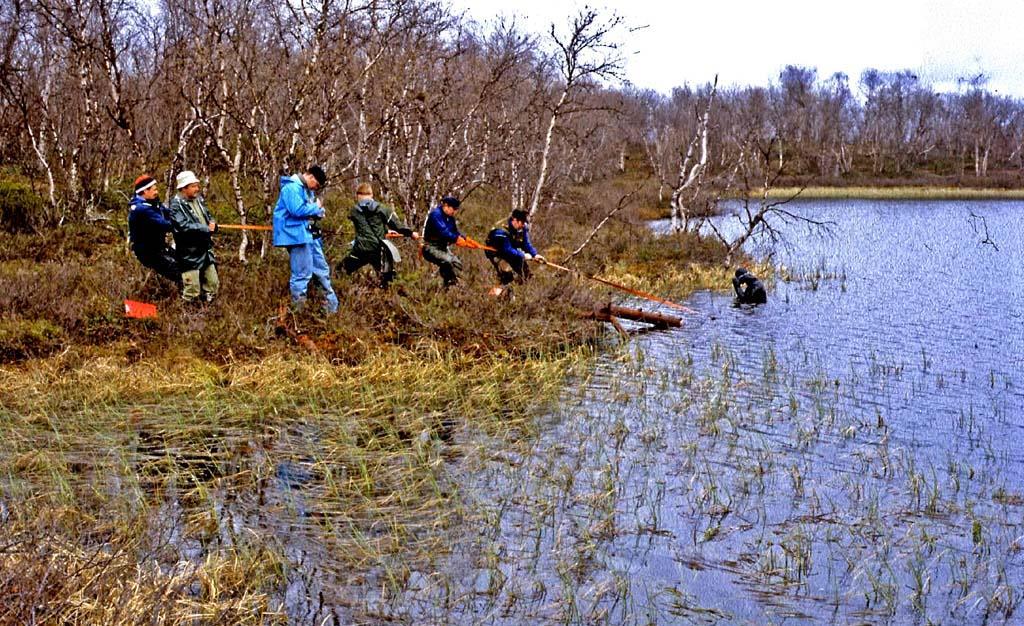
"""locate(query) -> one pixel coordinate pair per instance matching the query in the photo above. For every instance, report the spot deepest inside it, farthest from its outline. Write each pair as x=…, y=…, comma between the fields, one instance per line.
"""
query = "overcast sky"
x=747, y=42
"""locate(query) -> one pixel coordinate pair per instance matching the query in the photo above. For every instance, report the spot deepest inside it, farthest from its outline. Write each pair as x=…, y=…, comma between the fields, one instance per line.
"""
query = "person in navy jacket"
x=295, y=230
x=439, y=232
x=511, y=241
x=148, y=226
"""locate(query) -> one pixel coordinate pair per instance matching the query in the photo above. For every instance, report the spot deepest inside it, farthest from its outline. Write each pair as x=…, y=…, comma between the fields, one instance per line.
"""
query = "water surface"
x=848, y=453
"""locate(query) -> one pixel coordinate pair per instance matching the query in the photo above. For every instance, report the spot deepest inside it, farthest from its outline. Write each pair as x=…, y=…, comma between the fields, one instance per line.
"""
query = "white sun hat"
x=185, y=179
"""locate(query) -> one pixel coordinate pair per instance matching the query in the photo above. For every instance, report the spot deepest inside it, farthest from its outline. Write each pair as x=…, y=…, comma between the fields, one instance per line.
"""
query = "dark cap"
x=317, y=172
x=521, y=215
x=740, y=271
x=451, y=201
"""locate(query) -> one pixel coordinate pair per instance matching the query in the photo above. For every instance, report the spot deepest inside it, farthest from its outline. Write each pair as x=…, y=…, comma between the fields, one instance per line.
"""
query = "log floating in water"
x=609, y=313
x=639, y=315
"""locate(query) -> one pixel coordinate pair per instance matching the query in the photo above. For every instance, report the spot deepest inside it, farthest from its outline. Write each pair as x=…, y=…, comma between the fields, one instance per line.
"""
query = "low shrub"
x=22, y=339
x=21, y=209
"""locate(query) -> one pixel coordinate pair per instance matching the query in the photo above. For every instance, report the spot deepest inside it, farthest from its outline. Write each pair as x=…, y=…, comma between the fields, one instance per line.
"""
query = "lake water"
x=850, y=452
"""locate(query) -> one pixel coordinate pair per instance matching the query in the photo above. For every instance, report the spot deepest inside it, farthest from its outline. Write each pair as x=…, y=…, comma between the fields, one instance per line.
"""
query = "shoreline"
x=895, y=193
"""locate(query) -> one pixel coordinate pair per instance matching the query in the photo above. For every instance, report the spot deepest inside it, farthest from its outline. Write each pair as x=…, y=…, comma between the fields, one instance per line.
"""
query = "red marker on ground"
x=139, y=310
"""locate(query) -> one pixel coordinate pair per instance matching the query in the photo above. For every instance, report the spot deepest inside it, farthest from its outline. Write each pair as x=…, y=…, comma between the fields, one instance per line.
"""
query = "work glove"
x=527, y=256
x=538, y=258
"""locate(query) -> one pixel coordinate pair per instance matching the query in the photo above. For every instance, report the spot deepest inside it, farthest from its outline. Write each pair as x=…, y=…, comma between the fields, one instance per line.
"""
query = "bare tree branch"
x=622, y=203
x=980, y=227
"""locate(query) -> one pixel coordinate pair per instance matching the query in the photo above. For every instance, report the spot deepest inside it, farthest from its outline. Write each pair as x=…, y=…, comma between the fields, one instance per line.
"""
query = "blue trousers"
x=307, y=261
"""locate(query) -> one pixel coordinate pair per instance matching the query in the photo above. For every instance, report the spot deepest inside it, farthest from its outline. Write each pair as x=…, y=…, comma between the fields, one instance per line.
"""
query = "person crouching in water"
x=439, y=232
x=295, y=229
x=148, y=225
x=511, y=241
x=371, y=221
x=749, y=290
x=193, y=241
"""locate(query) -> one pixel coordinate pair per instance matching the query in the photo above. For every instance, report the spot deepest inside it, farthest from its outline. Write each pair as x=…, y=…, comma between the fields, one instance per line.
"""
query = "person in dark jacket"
x=148, y=226
x=372, y=221
x=511, y=240
x=193, y=241
x=295, y=217
x=749, y=290
x=439, y=232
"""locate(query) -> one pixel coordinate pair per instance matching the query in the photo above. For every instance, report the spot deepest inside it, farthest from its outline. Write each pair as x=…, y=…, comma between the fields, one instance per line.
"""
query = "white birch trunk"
x=689, y=176
x=39, y=147
x=542, y=175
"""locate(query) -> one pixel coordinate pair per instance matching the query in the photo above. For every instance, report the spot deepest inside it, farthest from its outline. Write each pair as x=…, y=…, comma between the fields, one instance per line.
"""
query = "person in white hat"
x=193, y=243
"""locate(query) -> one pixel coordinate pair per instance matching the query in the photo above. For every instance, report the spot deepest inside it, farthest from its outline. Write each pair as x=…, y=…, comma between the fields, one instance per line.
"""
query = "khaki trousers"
x=198, y=283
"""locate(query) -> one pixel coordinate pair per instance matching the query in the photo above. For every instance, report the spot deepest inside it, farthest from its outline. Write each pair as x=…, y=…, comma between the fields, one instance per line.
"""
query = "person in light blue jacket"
x=295, y=218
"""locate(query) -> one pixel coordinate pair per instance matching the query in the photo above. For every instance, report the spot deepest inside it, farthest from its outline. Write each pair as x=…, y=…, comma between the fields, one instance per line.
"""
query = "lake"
x=848, y=453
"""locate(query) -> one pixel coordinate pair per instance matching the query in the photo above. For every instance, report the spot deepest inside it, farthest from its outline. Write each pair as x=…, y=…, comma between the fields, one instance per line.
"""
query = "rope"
x=629, y=290
x=244, y=227
x=466, y=242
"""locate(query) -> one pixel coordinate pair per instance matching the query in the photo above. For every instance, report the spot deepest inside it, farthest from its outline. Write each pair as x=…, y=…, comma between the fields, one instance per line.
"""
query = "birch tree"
x=692, y=165
x=588, y=52
x=759, y=165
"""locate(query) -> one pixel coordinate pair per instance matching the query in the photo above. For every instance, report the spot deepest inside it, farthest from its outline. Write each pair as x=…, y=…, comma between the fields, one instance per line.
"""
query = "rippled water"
x=849, y=452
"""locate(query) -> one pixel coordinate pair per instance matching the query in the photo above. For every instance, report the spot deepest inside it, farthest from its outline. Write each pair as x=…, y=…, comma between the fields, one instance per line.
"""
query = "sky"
x=748, y=42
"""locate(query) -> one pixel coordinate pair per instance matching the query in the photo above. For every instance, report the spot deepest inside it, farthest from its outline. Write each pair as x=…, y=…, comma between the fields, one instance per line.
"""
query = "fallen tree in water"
x=610, y=313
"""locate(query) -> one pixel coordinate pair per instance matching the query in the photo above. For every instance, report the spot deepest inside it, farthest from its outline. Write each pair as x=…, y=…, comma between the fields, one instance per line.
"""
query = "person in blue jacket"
x=439, y=232
x=511, y=241
x=148, y=226
x=295, y=229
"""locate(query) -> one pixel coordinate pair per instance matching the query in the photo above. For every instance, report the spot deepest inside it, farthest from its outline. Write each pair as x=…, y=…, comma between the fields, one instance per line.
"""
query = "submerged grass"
x=188, y=490
x=758, y=484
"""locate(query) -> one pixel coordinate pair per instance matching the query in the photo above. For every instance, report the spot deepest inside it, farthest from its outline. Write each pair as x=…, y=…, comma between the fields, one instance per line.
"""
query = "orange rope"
x=244, y=227
x=466, y=242
x=629, y=290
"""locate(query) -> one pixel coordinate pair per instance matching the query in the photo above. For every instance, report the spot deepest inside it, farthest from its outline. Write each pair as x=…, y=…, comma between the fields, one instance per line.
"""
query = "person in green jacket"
x=372, y=221
x=193, y=229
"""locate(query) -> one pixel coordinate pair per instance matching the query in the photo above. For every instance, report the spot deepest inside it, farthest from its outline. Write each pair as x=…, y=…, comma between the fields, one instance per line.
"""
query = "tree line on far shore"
x=424, y=102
